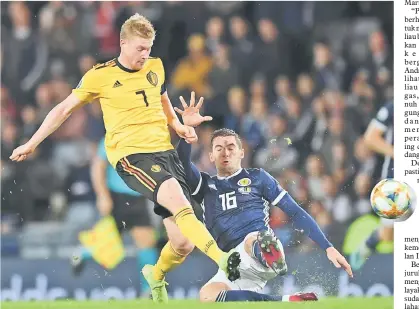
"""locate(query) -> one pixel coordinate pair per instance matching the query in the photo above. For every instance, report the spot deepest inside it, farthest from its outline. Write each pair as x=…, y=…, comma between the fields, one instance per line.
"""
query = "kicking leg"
x=173, y=254
x=171, y=196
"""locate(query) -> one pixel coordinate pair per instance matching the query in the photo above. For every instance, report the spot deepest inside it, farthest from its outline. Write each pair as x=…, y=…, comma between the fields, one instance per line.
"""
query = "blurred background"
x=313, y=72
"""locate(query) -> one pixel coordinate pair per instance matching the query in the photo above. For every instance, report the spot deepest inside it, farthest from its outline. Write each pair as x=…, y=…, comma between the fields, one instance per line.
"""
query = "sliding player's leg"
x=255, y=273
x=220, y=292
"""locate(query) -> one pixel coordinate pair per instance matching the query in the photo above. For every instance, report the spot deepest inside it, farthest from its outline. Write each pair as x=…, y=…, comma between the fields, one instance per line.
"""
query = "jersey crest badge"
x=152, y=78
x=155, y=168
x=244, y=182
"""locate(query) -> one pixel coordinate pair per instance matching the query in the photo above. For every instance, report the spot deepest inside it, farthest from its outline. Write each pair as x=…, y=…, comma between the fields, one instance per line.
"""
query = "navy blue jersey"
x=384, y=121
x=237, y=205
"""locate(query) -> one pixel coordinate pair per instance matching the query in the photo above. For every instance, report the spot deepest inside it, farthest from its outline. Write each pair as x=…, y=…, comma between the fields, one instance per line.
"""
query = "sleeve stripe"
x=198, y=186
x=379, y=125
x=279, y=198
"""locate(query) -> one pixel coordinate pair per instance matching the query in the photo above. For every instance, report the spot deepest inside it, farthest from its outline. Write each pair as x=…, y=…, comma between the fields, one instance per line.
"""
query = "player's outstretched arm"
x=193, y=176
x=301, y=219
x=309, y=227
x=52, y=122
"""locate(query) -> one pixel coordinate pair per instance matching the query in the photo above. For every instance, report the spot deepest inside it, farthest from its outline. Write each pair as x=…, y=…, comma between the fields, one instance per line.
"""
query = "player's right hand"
x=22, y=152
x=339, y=260
x=188, y=133
x=104, y=205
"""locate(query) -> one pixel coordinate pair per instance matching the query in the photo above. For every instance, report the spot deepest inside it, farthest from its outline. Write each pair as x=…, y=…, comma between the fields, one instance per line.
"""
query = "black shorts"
x=130, y=211
x=145, y=172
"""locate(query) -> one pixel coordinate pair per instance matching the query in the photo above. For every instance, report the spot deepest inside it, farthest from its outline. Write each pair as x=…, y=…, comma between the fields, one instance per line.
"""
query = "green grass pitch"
x=326, y=303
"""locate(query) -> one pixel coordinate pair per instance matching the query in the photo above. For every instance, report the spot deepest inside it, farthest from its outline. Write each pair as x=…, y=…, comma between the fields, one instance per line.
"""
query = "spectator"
x=192, y=71
x=106, y=35
x=272, y=56
x=327, y=76
x=223, y=76
x=315, y=173
x=26, y=53
x=255, y=127
x=214, y=34
x=242, y=47
x=379, y=65
x=282, y=90
x=337, y=204
x=277, y=155
x=305, y=90
x=58, y=27
x=237, y=105
x=362, y=186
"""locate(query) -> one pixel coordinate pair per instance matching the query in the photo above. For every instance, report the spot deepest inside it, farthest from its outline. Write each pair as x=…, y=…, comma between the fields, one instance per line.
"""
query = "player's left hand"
x=190, y=114
x=339, y=260
x=188, y=133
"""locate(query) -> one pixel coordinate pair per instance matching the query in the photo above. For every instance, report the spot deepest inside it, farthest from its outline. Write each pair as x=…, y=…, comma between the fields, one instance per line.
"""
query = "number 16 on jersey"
x=228, y=200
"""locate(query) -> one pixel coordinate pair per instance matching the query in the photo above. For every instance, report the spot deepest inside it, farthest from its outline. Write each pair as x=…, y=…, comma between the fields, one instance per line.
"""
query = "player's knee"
x=207, y=296
x=182, y=246
x=210, y=291
x=171, y=196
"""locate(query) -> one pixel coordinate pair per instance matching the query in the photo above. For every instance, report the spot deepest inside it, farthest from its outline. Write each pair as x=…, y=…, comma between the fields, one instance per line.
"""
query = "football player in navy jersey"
x=235, y=206
x=379, y=137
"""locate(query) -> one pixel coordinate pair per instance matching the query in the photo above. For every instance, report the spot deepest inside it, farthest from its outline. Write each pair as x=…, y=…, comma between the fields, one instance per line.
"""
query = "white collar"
x=232, y=175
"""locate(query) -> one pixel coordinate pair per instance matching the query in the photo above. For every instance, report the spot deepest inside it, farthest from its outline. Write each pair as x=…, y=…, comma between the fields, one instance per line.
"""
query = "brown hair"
x=226, y=132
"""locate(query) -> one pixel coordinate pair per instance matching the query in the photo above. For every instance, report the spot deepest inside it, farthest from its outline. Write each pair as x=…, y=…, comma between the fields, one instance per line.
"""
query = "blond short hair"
x=138, y=25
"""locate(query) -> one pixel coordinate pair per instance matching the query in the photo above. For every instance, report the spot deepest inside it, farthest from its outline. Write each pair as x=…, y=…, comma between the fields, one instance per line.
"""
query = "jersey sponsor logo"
x=212, y=186
x=245, y=190
x=152, y=78
x=117, y=84
x=244, y=182
x=156, y=168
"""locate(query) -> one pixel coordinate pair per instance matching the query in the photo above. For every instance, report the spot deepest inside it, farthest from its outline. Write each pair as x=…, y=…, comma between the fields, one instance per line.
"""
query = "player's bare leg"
x=173, y=254
x=170, y=195
x=210, y=292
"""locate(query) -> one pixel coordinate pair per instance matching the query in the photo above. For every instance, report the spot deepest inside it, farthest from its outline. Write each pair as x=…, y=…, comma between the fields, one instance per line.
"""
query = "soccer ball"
x=390, y=199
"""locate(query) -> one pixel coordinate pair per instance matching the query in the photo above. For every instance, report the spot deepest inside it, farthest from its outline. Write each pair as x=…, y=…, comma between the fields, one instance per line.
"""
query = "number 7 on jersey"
x=142, y=92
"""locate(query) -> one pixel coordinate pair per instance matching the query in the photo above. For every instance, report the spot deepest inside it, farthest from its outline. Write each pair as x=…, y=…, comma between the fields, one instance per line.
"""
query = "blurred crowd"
x=299, y=81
